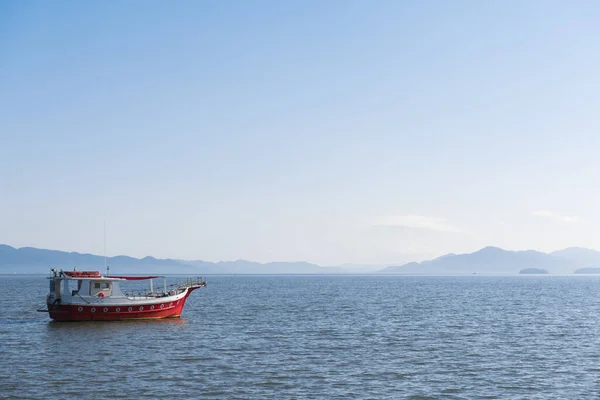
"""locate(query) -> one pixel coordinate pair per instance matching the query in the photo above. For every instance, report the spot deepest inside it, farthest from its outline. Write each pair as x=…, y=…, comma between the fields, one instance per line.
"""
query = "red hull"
x=74, y=312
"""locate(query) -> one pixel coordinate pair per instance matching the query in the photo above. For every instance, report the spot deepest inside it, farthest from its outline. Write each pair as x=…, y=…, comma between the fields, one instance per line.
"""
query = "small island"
x=533, y=271
x=588, y=271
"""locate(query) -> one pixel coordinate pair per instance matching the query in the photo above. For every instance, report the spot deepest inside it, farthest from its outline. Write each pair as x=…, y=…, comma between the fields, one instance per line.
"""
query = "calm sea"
x=318, y=337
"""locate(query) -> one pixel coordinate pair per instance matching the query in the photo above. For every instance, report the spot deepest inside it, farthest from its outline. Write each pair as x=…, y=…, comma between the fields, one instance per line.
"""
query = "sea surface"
x=318, y=337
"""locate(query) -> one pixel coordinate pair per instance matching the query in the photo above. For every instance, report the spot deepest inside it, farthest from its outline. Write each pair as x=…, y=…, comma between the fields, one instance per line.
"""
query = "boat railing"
x=179, y=286
x=190, y=282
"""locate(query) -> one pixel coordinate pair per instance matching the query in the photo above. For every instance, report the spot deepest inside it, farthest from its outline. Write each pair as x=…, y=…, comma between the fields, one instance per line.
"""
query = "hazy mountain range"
x=493, y=260
x=489, y=260
x=32, y=260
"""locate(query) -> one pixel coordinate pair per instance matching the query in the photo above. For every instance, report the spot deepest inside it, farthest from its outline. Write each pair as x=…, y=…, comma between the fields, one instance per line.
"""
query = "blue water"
x=317, y=337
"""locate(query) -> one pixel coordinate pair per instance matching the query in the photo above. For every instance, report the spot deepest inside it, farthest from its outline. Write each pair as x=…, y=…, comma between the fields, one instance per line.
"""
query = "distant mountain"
x=444, y=256
x=32, y=256
x=493, y=260
x=588, y=271
x=583, y=257
x=32, y=260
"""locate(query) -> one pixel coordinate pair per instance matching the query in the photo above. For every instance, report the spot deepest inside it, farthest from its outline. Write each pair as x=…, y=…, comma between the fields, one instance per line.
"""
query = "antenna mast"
x=105, y=266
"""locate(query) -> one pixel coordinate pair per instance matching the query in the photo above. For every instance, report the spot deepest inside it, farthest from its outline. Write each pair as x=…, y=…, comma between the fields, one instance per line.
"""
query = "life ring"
x=101, y=294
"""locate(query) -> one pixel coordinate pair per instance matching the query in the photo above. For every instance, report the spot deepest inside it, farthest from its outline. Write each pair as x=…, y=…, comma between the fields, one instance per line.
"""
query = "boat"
x=91, y=296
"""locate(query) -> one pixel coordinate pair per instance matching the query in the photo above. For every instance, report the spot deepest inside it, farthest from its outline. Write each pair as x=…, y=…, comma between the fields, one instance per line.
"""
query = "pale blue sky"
x=329, y=131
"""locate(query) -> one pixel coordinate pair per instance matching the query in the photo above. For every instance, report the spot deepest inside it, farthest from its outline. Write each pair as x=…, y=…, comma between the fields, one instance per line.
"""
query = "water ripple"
x=307, y=337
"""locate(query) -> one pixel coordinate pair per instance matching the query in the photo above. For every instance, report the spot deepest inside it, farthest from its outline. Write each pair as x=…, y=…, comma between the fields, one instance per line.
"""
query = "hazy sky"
x=327, y=131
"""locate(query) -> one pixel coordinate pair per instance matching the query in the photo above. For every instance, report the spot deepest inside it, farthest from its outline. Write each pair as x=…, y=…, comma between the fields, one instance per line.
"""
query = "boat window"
x=101, y=289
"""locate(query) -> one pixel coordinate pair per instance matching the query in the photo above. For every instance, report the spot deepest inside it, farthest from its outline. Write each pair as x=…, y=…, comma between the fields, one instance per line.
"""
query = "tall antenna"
x=105, y=266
